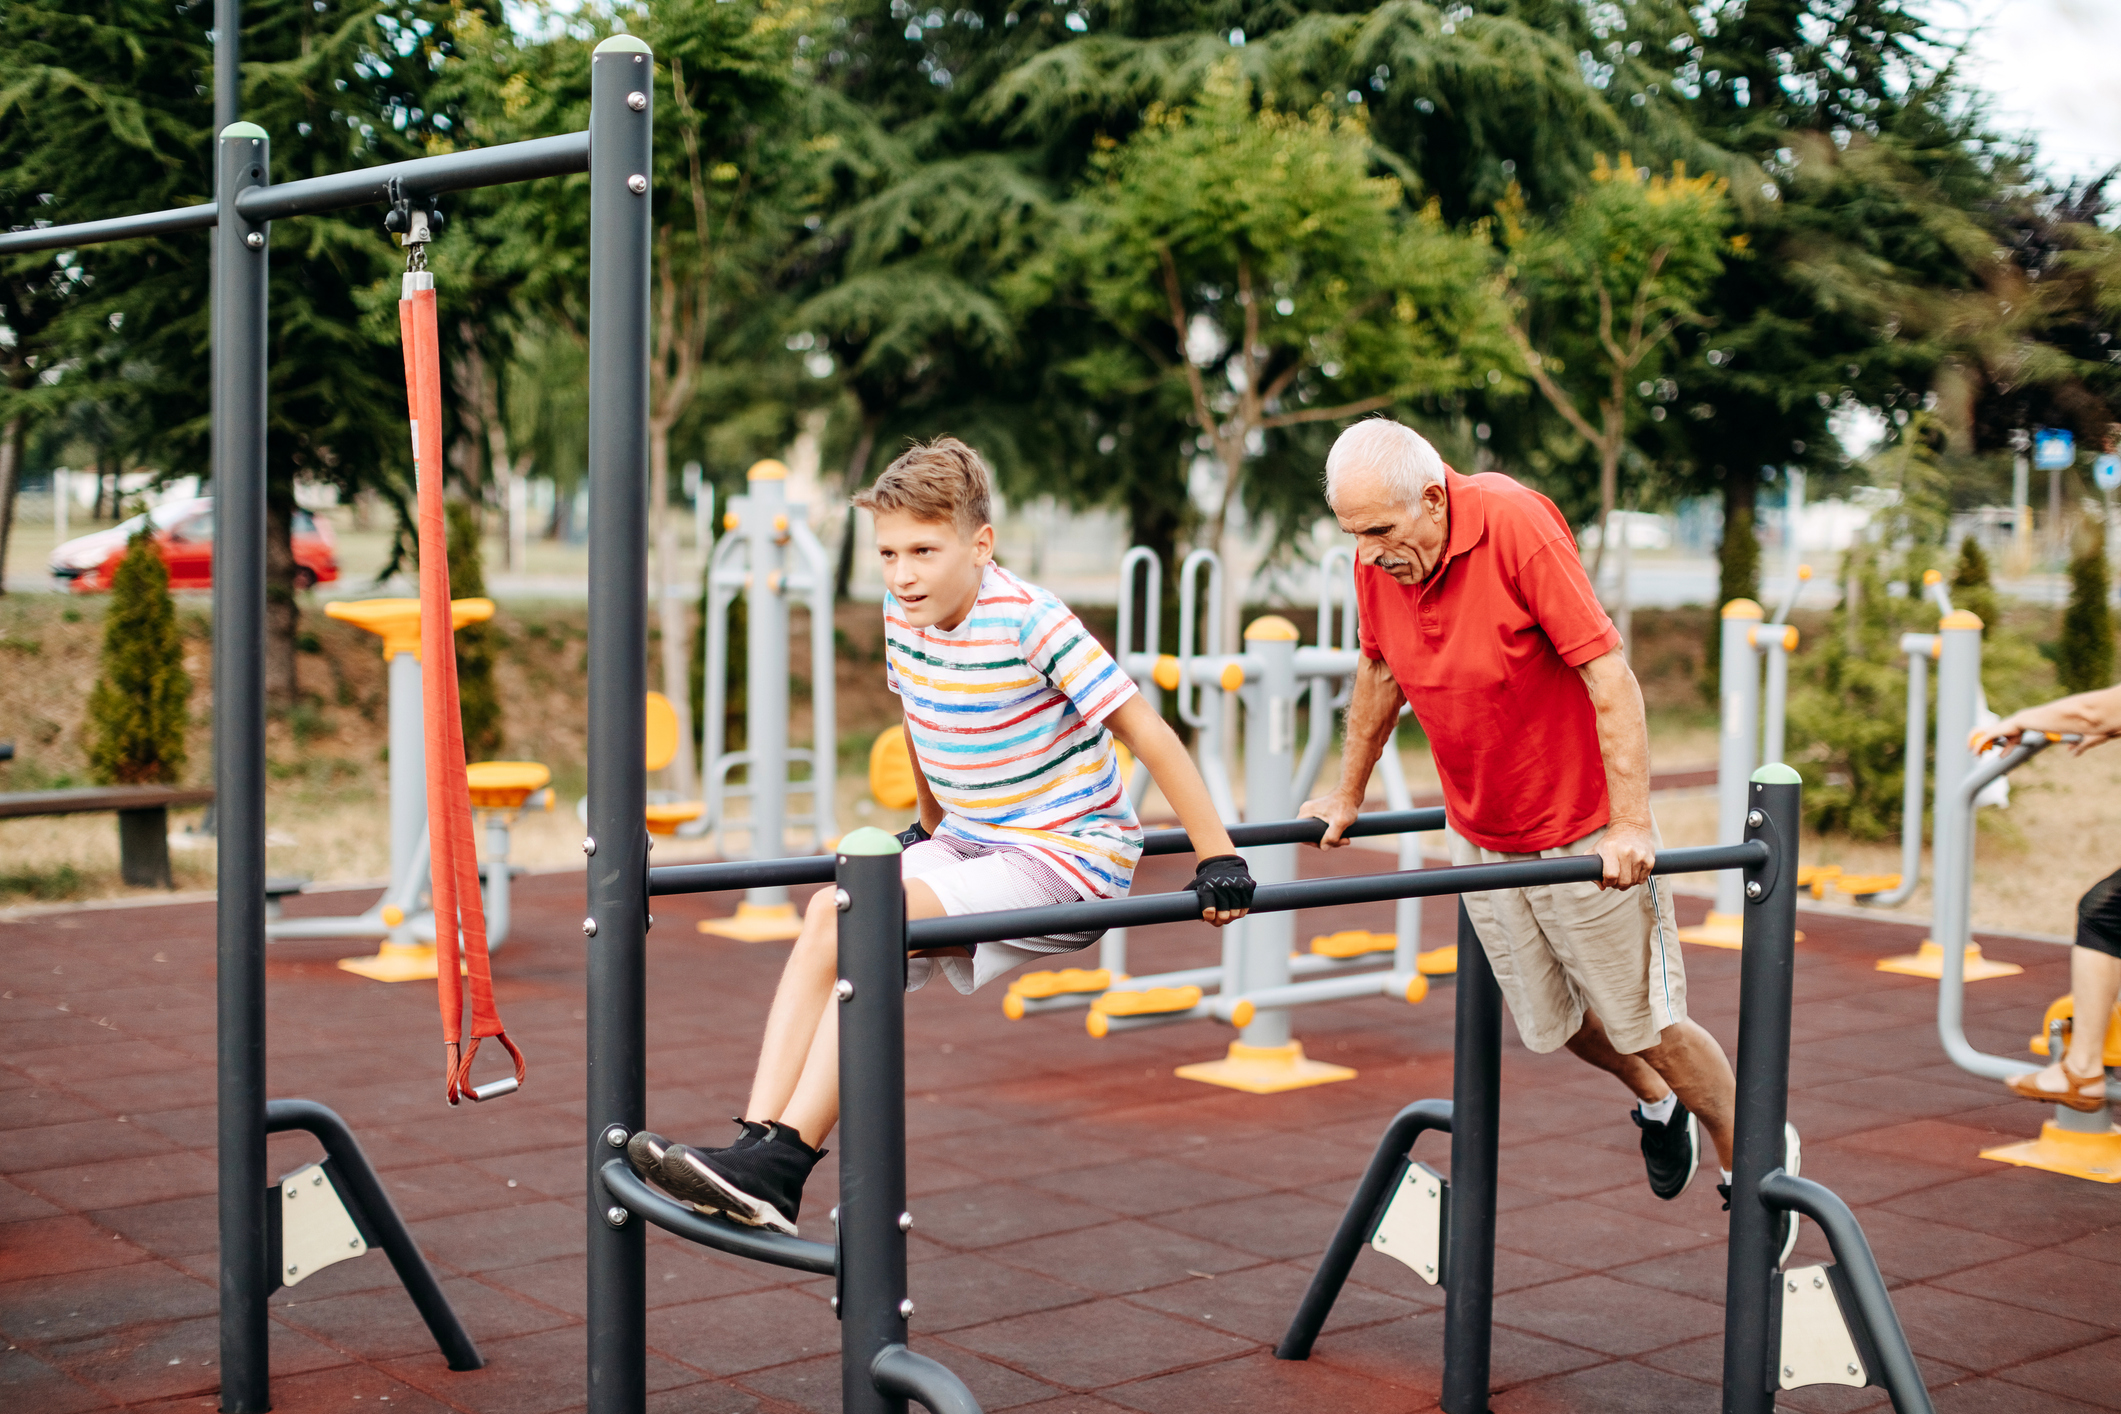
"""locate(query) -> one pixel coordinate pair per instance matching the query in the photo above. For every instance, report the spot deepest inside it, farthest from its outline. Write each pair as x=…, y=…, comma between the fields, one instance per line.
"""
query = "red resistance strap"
x=458, y=906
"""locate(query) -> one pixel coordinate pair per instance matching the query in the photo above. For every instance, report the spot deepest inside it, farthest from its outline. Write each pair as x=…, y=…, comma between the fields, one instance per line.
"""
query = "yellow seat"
x=662, y=732
x=2066, y=1007
x=1816, y=877
x=504, y=785
x=1067, y=982
x=664, y=818
x=397, y=621
x=1354, y=942
x=891, y=771
x=1864, y=885
x=1153, y=1002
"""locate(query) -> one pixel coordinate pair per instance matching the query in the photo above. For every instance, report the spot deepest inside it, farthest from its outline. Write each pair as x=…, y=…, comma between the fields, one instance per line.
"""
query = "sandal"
x=2086, y=1093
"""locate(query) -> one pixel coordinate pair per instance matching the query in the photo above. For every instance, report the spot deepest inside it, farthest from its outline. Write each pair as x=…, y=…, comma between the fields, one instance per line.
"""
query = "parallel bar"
x=817, y=869
x=117, y=228
x=239, y=410
x=425, y=176
x=618, y=680
x=1476, y=1110
x=1180, y=907
x=368, y=1193
x=757, y=1243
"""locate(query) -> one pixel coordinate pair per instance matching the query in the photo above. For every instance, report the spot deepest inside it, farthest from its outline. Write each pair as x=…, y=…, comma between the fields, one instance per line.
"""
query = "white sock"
x=1662, y=1110
x=1726, y=1174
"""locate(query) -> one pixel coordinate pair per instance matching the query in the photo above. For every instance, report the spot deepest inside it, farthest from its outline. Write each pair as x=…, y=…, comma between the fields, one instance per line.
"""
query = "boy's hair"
x=942, y=480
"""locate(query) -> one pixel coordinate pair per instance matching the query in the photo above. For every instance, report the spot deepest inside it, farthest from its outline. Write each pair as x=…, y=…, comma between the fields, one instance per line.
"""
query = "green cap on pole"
x=623, y=44
x=869, y=840
x=1775, y=773
x=245, y=130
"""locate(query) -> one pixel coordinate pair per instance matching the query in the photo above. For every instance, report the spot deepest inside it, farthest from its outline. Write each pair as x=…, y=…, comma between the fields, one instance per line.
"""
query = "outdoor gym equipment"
x=2084, y=1145
x=244, y=205
x=1260, y=976
x=753, y=559
x=1751, y=734
x=1836, y=1324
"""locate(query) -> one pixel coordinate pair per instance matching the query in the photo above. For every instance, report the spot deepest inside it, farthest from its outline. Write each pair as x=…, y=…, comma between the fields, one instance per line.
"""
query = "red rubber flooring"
x=1092, y=1234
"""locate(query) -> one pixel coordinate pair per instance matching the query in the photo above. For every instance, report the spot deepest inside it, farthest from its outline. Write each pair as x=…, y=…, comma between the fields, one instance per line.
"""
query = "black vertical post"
x=228, y=53
x=621, y=94
x=1765, y=978
x=872, y=1020
x=239, y=302
x=1476, y=1109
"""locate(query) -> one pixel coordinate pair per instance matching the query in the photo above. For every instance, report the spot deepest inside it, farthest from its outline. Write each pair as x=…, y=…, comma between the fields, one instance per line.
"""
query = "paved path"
x=1092, y=1235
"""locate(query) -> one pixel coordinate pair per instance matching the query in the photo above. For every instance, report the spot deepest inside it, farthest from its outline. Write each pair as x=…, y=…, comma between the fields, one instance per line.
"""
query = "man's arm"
x=2095, y=716
x=1373, y=713
x=1135, y=723
x=1624, y=742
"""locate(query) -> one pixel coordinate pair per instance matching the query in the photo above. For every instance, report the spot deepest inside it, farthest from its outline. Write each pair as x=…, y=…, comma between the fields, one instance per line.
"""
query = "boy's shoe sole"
x=644, y=1154
x=688, y=1176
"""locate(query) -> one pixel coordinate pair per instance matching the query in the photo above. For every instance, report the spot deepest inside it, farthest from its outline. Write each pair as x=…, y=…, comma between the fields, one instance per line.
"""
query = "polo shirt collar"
x=1468, y=515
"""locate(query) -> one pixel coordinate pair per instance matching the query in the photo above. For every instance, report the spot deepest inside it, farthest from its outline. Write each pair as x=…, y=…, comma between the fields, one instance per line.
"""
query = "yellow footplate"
x=1818, y=878
x=1865, y=885
x=1355, y=942
x=1928, y=961
x=1154, y=1002
x=1038, y=986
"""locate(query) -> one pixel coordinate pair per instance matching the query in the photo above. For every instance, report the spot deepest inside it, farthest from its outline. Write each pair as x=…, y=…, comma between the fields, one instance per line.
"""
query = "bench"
x=143, y=821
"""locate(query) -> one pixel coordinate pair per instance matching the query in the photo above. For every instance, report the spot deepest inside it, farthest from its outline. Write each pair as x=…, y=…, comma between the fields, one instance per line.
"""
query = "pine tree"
x=1971, y=587
x=141, y=704
x=2084, y=659
x=477, y=695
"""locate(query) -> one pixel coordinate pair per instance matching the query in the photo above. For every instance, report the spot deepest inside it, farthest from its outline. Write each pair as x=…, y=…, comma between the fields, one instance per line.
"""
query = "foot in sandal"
x=2059, y=1085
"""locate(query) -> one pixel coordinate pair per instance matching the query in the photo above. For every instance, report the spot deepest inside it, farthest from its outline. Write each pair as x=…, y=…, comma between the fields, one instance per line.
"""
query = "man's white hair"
x=1397, y=453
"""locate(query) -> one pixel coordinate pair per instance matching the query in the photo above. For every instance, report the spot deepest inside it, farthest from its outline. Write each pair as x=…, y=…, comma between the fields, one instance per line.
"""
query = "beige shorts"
x=1563, y=949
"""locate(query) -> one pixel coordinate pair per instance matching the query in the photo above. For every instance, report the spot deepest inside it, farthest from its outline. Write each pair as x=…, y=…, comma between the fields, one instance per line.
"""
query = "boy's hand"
x=1337, y=811
x=1224, y=887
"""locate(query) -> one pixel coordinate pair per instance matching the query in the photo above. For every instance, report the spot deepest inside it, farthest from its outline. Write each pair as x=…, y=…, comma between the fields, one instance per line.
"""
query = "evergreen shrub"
x=141, y=704
x=2084, y=656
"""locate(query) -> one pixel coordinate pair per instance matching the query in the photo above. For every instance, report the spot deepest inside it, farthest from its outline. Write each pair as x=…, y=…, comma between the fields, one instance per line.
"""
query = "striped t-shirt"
x=1006, y=714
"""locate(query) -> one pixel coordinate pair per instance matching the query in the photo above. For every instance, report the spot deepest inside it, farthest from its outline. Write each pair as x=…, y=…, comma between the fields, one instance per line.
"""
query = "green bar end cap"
x=623, y=44
x=869, y=840
x=245, y=130
x=1776, y=773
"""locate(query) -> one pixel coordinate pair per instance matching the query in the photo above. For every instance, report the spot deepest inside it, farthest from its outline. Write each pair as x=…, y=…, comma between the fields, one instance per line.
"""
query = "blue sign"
x=2053, y=449
x=2106, y=471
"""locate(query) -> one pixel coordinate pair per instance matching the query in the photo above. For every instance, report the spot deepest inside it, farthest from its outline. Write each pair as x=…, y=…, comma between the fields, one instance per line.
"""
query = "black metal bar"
x=427, y=176
x=871, y=1009
x=1766, y=974
x=1476, y=1110
x=618, y=628
x=736, y=874
x=1897, y=1369
x=117, y=228
x=1357, y=1222
x=357, y=1178
x=239, y=410
x=757, y=1243
x=970, y=928
x=903, y=1375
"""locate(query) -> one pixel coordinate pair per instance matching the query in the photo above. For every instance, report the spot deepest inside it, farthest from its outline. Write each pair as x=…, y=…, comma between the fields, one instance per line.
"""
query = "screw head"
x=1754, y=819
x=616, y=1136
x=835, y=1304
x=637, y=100
x=589, y=927
x=1753, y=889
x=637, y=184
x=292, y=1270
x=905, y=1222
x=589, y=844
x=1854, y=1368
x=1787, y=1372
x=843, y=989
x=841, y=901
x=616, y=1215
x=1818, y=1283
x=255, y=240
x=905, y=1309
x=651, y=922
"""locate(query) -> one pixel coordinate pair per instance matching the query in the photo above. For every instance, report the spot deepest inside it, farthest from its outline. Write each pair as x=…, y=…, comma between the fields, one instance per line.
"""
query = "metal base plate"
x=1264, y=1070
x=1411, y=1228
x=396, y=962
x=1928, y=961
x=2096, y=1157
x=1817, y=1348
x=757, y=923
x=1722, y=930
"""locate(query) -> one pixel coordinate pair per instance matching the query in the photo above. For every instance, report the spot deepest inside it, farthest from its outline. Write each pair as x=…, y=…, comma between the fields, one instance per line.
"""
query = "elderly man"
x=1476, y=610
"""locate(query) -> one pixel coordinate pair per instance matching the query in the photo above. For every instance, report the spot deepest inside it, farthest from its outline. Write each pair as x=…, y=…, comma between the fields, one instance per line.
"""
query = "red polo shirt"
x=1486, y=650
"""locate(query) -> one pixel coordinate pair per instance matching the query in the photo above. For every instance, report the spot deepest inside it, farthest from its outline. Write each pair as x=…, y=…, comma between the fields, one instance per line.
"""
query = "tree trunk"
x=10, y=481
x=282, y=613
x=671, y=608
x=856, y=478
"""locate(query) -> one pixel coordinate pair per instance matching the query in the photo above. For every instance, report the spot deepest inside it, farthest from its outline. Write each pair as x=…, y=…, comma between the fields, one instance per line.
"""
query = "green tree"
x=2084, y=656
x=478, y=695
x=141, y=704
x=1972, y=589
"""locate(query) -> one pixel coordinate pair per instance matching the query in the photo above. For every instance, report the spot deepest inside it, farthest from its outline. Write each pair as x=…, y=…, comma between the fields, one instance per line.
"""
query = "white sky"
x=2053, y=68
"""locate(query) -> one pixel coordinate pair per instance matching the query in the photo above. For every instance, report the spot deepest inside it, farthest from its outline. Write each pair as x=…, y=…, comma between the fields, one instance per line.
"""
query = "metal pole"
x=872, y=1021
x=1270, y=763
x=1476, y=1105
x=1741, y=729
x=1952, y=818
x=1765, y=987
x=228, y=56
x=239, y=411
x=622, y=91
x=1776, y=645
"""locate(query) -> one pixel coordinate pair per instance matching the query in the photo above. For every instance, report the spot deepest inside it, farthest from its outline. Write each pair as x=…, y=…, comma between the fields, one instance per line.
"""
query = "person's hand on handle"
x=1337, y=811
x=1224, y=887
x=1628, y=851
x=2001, y=733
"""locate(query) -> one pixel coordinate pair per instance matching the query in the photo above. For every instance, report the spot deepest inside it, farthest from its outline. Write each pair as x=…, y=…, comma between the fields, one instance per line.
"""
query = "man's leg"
x=2094, y=980
x=1686, y=1059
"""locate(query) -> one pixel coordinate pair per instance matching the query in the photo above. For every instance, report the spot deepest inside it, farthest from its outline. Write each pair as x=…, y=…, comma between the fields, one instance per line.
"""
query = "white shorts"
x=974, y=878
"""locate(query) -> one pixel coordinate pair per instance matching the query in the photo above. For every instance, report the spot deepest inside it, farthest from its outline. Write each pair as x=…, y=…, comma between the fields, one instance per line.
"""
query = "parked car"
x=184, y=533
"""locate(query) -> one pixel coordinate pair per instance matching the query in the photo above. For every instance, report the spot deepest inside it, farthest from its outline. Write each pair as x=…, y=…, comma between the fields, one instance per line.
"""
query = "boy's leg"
x=2094, y=978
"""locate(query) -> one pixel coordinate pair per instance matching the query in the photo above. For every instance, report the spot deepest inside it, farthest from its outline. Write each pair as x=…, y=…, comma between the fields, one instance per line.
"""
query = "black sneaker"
x=1671, y=1150
x=759, y=1184
x=1785, y=1221
x=645, y=1150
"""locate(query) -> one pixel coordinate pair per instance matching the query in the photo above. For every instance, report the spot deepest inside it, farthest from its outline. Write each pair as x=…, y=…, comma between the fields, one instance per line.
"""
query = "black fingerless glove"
x=1222, y=882
x=912, y=835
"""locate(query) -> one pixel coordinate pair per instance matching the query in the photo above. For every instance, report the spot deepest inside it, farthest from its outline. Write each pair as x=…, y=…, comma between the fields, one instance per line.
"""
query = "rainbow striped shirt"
x=1006, y=713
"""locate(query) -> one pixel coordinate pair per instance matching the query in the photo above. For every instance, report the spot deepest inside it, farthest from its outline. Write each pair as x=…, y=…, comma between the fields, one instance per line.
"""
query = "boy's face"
x=932, y=568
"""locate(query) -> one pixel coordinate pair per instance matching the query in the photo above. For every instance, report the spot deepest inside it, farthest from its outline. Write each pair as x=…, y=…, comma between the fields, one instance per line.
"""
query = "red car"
x=184, y=532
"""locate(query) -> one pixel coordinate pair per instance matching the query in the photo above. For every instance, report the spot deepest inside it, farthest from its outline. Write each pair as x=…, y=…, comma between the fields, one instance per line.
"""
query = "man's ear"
x=1434, y=498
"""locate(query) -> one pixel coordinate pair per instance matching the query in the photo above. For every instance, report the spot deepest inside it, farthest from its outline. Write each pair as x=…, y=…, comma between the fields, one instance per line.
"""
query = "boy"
x=1010, y=708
